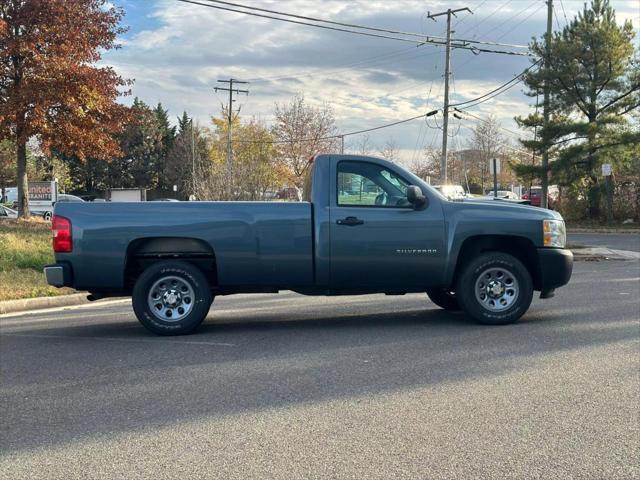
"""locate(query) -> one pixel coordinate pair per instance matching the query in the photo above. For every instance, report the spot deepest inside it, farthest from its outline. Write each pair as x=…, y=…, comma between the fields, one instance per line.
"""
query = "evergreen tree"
x=184, y=122
x=594, y=84
x=141, y=142
x=167, y=137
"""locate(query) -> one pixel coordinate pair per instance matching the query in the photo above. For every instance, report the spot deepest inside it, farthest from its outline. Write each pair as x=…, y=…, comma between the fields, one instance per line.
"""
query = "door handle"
x=350, y=221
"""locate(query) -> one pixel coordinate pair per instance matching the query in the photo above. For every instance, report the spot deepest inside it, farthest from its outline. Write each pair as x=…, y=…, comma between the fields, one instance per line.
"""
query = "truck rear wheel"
x=444, y=299
x=171, y=298
x=495, y=289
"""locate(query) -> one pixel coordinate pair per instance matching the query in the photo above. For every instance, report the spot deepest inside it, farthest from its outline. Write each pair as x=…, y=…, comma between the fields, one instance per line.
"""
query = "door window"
x=364, y=184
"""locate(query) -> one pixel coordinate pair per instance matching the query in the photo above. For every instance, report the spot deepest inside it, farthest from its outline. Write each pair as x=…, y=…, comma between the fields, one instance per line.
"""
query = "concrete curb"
x=603, y=230
x=600, y=253
x=26, y=304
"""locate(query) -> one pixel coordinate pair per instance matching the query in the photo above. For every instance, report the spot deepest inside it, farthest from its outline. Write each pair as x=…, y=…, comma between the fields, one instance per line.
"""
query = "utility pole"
x=231, y=91
x=447, y=74
x=342, y=144
x=193, y=160
x=545, y=131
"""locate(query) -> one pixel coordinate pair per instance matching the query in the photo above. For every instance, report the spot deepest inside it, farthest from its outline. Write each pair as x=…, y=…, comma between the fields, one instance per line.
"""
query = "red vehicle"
x=534, y=195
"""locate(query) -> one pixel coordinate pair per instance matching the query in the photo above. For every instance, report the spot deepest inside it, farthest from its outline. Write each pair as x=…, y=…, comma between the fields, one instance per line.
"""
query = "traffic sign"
x=497, y=163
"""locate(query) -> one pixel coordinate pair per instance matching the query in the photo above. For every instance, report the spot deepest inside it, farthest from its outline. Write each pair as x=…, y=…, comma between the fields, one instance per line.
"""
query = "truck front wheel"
x=171, y=298
x=495, y=289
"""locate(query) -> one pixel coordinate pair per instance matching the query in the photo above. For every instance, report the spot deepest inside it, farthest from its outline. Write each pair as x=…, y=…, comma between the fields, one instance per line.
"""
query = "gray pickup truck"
x=366, y=226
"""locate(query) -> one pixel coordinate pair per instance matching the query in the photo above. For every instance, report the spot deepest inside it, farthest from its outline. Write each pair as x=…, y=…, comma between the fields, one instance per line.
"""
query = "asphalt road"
x=368, y=387
x=617, y=241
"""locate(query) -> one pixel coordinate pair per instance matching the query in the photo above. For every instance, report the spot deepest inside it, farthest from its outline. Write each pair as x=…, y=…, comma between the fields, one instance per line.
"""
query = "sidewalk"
x=603, y=230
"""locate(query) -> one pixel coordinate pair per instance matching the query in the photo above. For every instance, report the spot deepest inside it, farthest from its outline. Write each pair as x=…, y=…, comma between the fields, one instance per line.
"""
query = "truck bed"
x=254, y=243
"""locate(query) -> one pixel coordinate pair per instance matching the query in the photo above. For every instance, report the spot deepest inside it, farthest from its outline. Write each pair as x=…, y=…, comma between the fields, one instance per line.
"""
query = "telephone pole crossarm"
x=433, y=16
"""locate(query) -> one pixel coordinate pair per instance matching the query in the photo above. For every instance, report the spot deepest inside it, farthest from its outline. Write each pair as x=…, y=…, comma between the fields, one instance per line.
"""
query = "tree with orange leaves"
x=49, y=84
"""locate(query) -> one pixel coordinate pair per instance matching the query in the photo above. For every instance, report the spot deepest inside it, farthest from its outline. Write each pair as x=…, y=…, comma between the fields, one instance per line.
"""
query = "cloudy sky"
x=177, y=51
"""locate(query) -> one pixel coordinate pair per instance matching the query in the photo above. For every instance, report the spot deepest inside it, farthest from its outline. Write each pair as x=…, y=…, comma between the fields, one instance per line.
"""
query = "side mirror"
x=415, y=196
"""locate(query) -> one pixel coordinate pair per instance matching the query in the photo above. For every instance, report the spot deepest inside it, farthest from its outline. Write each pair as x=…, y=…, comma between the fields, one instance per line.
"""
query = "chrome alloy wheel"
x=496, y=289
x=171, y=298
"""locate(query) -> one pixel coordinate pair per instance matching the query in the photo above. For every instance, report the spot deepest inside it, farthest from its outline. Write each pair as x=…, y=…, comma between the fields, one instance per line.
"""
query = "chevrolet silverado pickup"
x=365, y=226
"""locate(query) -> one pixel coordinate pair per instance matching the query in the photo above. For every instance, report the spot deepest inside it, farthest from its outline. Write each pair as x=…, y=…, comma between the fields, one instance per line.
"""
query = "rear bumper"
x=58, y=275
x=556, y=266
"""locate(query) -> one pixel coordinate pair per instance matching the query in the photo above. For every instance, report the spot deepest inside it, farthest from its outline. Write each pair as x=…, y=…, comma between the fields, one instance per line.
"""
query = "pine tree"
x=594, y=85
x=167, y=137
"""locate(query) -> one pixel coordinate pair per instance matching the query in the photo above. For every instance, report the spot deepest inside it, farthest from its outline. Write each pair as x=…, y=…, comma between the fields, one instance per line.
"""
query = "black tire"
x=188, y=277
x=47, y=216
x=444, y=299
x=516, y=287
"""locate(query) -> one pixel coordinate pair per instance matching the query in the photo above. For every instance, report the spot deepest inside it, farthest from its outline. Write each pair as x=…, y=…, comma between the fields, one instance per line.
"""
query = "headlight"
x=555, y=234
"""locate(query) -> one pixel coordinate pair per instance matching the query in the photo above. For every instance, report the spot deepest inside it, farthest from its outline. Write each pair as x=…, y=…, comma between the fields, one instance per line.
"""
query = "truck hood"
x=498, y=208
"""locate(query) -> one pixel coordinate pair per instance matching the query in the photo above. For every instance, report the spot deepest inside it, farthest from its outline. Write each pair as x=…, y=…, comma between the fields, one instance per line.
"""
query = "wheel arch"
x=143, y=252
x=520, y=247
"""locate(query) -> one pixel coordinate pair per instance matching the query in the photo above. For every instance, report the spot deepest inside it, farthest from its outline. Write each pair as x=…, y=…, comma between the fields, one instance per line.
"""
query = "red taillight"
x=61, y=230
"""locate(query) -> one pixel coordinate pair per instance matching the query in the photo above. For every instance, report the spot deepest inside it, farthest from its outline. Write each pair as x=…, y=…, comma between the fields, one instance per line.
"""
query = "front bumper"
x=556, y=266
x=58, y=275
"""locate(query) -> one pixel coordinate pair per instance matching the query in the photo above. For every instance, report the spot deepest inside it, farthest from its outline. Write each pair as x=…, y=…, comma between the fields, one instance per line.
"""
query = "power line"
x=511, y=18
x=491, y=30
x=392, y=57
x=338, y=68
x=425, y=39
x=520, y=22
x=462, y=20
x=566, y=20
x=492, y=96
x=516, y=134
x=555, y=14
x=331, y=22
x=358, y=26
x=506, y=86
x=501, y=143
x=347, y=134
x=218, y=7
x=475, y=27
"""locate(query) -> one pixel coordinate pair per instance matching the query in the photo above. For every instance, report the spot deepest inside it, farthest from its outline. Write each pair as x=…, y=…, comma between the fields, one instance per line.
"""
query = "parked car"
x=508, y=194
x=502, y=194
x=452, y=192
x=534, y=195
x=63, y=197
x=485, y=258
x=47, y=212
x=6, y=212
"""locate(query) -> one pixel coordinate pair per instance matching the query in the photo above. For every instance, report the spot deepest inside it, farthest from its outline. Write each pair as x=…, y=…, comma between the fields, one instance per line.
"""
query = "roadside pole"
x=231, y=91
x=193, y=161
x=607, y=172
x=447, y=74
x=545, y=152
x=495, y=167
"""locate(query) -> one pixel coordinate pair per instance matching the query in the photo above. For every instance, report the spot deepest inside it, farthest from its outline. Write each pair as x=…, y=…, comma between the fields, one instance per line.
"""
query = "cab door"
x=378, y=240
